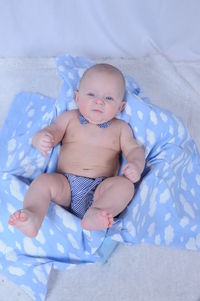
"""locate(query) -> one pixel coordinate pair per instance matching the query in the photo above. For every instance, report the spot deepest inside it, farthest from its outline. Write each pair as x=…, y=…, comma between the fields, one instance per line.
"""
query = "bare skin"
x=26, y=221
x=89, y=151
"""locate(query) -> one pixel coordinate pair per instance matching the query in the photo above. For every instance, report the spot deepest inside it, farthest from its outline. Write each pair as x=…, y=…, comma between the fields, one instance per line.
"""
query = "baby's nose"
x=99, y=100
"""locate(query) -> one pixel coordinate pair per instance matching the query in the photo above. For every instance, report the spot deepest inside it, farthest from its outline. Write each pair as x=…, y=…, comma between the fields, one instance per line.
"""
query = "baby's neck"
x=83, y=120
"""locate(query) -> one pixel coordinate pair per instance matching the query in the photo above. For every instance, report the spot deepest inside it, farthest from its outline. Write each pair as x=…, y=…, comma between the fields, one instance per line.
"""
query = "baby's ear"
x=122, y=106
x=76, y=95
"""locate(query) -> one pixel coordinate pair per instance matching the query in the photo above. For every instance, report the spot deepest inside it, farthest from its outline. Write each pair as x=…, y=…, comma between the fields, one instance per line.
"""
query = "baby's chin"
x=94, y=120
x=97, y=121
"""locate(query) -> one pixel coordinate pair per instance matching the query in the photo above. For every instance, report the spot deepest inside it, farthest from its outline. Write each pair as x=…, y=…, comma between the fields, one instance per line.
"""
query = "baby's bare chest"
x=94, y=136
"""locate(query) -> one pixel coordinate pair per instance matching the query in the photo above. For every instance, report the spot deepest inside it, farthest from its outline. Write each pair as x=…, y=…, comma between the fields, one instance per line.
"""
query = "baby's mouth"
x=96, y=117
x=97, y=110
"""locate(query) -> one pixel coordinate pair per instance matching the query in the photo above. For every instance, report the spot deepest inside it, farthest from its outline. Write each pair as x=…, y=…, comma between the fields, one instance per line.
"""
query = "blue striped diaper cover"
x=82, y=192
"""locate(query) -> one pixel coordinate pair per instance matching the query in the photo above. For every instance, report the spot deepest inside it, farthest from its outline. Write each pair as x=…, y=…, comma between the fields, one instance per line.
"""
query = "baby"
x=91, y=139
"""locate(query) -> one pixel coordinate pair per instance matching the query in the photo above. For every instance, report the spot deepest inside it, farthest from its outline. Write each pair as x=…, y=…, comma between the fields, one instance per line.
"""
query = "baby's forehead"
x=100, y=71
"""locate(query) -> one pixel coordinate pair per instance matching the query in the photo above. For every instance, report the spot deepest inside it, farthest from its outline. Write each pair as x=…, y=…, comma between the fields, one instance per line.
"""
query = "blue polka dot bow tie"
x=101, y=125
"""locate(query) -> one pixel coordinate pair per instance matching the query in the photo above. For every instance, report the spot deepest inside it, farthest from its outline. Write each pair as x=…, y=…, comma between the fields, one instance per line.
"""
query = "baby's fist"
x=43, y=141
x=132, y=172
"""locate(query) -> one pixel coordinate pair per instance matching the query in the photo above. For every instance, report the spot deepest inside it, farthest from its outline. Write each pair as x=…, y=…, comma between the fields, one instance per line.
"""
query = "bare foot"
x=26, y=221
x=96, y=219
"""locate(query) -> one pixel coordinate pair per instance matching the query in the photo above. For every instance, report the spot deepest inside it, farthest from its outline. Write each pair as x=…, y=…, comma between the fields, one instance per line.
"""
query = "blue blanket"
x=164, y=211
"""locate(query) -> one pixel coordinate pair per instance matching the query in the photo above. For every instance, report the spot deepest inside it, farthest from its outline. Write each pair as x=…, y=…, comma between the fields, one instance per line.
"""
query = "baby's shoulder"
x=66, y=117
x=121, y=123
x=71, y=114
x=125, y=130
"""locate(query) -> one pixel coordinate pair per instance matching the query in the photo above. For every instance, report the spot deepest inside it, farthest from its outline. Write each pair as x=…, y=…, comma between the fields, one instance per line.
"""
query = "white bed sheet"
x=147, y=272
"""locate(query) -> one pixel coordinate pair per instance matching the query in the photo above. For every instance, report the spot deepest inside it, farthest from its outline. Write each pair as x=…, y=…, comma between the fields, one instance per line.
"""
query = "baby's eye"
x=109, y=98
x=91, y=94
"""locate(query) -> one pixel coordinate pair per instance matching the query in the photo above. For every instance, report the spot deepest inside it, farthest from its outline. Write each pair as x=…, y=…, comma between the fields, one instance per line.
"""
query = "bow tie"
x=101, y=125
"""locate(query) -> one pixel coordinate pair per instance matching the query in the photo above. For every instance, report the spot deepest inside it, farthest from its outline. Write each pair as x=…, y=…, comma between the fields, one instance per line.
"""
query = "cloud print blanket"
x=164, y=211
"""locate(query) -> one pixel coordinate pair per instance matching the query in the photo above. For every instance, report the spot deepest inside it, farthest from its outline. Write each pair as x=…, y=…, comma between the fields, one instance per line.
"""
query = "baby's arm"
x=48, y=137
x=133, y=153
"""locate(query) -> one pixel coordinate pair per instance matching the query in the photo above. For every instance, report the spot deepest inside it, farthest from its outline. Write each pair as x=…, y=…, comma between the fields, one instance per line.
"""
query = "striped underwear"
x=82, y=192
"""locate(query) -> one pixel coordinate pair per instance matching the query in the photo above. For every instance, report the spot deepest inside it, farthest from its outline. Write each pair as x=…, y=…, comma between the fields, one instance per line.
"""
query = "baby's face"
x=100, y=96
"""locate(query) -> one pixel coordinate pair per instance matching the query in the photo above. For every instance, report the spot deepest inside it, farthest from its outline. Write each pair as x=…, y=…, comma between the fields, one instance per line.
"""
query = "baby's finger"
x=135, y=177
x=46, y=144
x=48, y=139
x=125, y=168
x=129, y=170
x=46, y=135
x=133, y=173
x=50, y=136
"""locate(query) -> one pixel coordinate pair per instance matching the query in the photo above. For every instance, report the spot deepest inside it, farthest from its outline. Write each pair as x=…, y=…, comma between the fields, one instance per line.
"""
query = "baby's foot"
x=96, y=219
x=25, y=221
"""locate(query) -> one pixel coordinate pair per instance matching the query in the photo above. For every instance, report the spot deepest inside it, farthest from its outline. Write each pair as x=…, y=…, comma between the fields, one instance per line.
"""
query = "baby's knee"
x=43, y=178
x=127, y=186
x=45, y=181
x=123, y=186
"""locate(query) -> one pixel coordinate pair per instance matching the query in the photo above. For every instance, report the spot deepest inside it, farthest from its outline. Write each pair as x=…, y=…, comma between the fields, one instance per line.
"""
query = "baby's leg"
x=42, y=190
x=111, y=197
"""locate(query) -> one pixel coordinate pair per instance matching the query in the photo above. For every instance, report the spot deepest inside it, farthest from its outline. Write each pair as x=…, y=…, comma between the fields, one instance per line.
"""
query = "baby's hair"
x=105, y=67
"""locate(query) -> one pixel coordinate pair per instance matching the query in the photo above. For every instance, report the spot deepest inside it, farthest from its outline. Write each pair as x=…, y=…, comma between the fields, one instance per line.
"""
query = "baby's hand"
x=131, y=171
x=43, y=141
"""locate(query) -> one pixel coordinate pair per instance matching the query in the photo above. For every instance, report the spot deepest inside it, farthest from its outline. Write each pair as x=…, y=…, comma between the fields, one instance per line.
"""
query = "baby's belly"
x=88, y=161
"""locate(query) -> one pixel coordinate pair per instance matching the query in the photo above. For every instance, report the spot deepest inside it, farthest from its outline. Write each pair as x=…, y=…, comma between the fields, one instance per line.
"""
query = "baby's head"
x=101, y=93
x=113, y=74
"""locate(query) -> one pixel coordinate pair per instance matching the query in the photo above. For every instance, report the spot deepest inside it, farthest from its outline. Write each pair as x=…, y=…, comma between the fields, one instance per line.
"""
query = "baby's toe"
x=17, y=214
x=14, y=217
x=11, y=220
x=22, y=216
